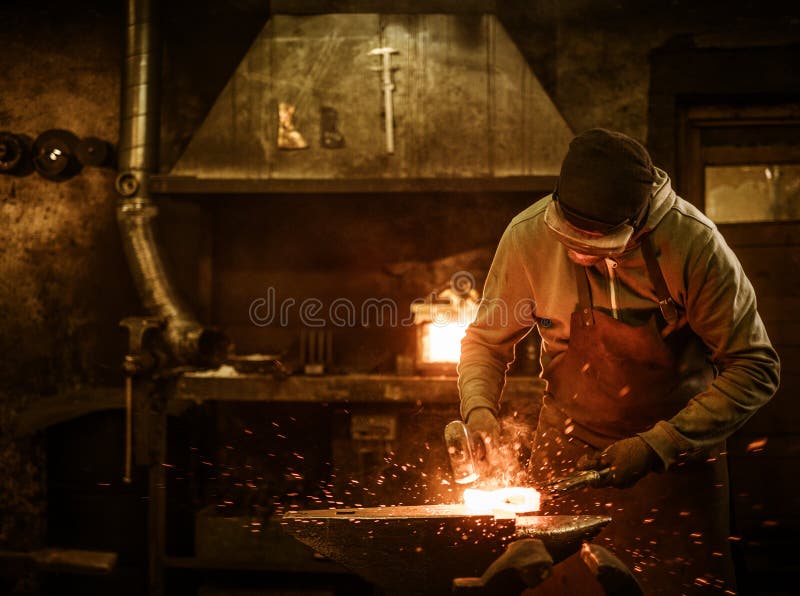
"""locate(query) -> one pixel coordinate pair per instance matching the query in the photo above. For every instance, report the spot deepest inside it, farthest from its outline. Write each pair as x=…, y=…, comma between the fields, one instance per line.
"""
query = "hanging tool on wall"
x=288, y=136
x=12, y=152
x=386, y=69
x=330, y=137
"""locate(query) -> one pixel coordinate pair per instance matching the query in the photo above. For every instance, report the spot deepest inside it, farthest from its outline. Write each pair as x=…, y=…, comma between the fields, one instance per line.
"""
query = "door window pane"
x=738, y=194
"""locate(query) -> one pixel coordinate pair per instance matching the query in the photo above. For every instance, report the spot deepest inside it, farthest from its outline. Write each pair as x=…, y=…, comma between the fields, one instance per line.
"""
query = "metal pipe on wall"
x=189, y=341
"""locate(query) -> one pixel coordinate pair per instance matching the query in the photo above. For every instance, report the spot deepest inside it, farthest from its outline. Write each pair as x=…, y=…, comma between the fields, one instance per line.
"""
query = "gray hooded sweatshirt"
x=531, y=274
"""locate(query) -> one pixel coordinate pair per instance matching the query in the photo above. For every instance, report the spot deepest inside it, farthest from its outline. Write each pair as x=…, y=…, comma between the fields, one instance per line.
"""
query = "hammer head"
x=459, y=444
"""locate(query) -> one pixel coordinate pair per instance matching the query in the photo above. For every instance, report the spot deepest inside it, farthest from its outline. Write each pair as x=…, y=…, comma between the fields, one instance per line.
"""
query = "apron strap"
x=584, y=295
x=665, y=302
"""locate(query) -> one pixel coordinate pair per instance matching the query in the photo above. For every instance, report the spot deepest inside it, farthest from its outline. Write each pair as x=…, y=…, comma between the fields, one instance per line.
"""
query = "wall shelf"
x=171, y=184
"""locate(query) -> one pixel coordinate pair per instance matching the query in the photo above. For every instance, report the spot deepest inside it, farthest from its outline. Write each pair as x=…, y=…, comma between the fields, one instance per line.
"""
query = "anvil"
x=421, y=549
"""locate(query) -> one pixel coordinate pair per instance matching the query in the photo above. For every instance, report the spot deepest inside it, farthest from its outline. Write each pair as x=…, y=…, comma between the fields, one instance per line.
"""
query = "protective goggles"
x=590, y=236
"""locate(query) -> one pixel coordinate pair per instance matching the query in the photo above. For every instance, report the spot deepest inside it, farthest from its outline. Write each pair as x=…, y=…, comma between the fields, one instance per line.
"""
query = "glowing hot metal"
x=514, y=499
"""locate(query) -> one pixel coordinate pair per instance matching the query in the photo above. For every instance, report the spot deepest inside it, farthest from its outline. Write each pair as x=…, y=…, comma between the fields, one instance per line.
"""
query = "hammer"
x=465, y=451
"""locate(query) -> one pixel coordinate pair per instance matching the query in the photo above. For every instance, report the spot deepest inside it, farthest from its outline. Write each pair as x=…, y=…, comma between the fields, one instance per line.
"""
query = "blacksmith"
x=652, y=349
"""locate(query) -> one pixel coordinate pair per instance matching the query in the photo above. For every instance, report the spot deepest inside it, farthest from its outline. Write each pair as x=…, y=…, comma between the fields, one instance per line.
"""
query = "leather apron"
x=615, y=380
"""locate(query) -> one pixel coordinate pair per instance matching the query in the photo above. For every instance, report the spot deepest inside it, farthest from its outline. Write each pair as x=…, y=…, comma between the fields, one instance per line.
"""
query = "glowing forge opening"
x=442, y=343
x=442, y=321
x=515, y=499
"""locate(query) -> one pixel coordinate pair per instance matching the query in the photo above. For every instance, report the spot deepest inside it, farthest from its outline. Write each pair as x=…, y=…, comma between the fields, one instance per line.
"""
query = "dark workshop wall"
x=397, y=247
x=63, y=280
x=595, y=61
x=592, y=57
x=63, y=283
x=697, y=78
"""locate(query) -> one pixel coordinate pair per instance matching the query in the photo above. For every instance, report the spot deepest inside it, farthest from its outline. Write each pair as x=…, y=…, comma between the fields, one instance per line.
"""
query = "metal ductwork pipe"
x=189, y=341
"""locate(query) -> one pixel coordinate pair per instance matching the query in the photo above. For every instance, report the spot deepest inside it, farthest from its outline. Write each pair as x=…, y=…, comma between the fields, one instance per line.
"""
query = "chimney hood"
x=469, y=113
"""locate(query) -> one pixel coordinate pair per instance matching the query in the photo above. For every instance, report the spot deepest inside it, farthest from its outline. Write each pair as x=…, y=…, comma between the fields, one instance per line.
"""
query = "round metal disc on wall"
x=54, y=155
x=127, y=184
x=92, y=151
x=12, y=150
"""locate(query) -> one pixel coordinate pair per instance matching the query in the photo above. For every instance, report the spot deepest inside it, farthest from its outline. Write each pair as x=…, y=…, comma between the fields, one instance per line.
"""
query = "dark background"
x=64, y=283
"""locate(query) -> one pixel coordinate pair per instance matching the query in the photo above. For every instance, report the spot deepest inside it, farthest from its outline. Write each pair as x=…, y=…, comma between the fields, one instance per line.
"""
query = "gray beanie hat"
x=606, y=178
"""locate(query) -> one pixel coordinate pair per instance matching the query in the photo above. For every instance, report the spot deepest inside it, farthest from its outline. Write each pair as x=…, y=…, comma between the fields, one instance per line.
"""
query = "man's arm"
x=504, y=317
x=721, y=309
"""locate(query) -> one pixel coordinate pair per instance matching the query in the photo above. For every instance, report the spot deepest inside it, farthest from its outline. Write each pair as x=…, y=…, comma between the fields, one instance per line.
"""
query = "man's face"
x=582, y=259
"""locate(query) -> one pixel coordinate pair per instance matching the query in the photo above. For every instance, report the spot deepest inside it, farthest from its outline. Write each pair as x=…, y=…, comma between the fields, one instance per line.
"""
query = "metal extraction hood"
x=468, y=111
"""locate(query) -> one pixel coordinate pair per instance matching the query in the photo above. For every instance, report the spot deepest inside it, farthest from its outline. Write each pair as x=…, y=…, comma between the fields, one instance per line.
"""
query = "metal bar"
x=128, y=428
x=388, y=88
x=367, y=6
x=59, y=560
x=157, y=510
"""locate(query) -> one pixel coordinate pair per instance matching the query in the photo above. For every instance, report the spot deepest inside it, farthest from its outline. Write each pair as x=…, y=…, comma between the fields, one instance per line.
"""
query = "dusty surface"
x=63, y=284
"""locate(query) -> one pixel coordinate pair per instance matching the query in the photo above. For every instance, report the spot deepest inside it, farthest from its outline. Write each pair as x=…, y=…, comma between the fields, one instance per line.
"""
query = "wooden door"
x=741, y=166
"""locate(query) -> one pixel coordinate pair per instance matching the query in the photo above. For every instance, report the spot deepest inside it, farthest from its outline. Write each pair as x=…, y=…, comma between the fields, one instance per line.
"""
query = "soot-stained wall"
x=63, y=279
x=63, y=284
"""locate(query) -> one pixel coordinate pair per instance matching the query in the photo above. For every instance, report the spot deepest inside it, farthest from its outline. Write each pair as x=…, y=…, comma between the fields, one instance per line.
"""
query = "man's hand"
x=629, y=460
x=482, y=423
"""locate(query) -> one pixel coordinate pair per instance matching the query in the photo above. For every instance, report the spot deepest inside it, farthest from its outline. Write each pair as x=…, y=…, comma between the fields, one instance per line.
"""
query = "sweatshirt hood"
x=620, y=239
x=661, y=202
